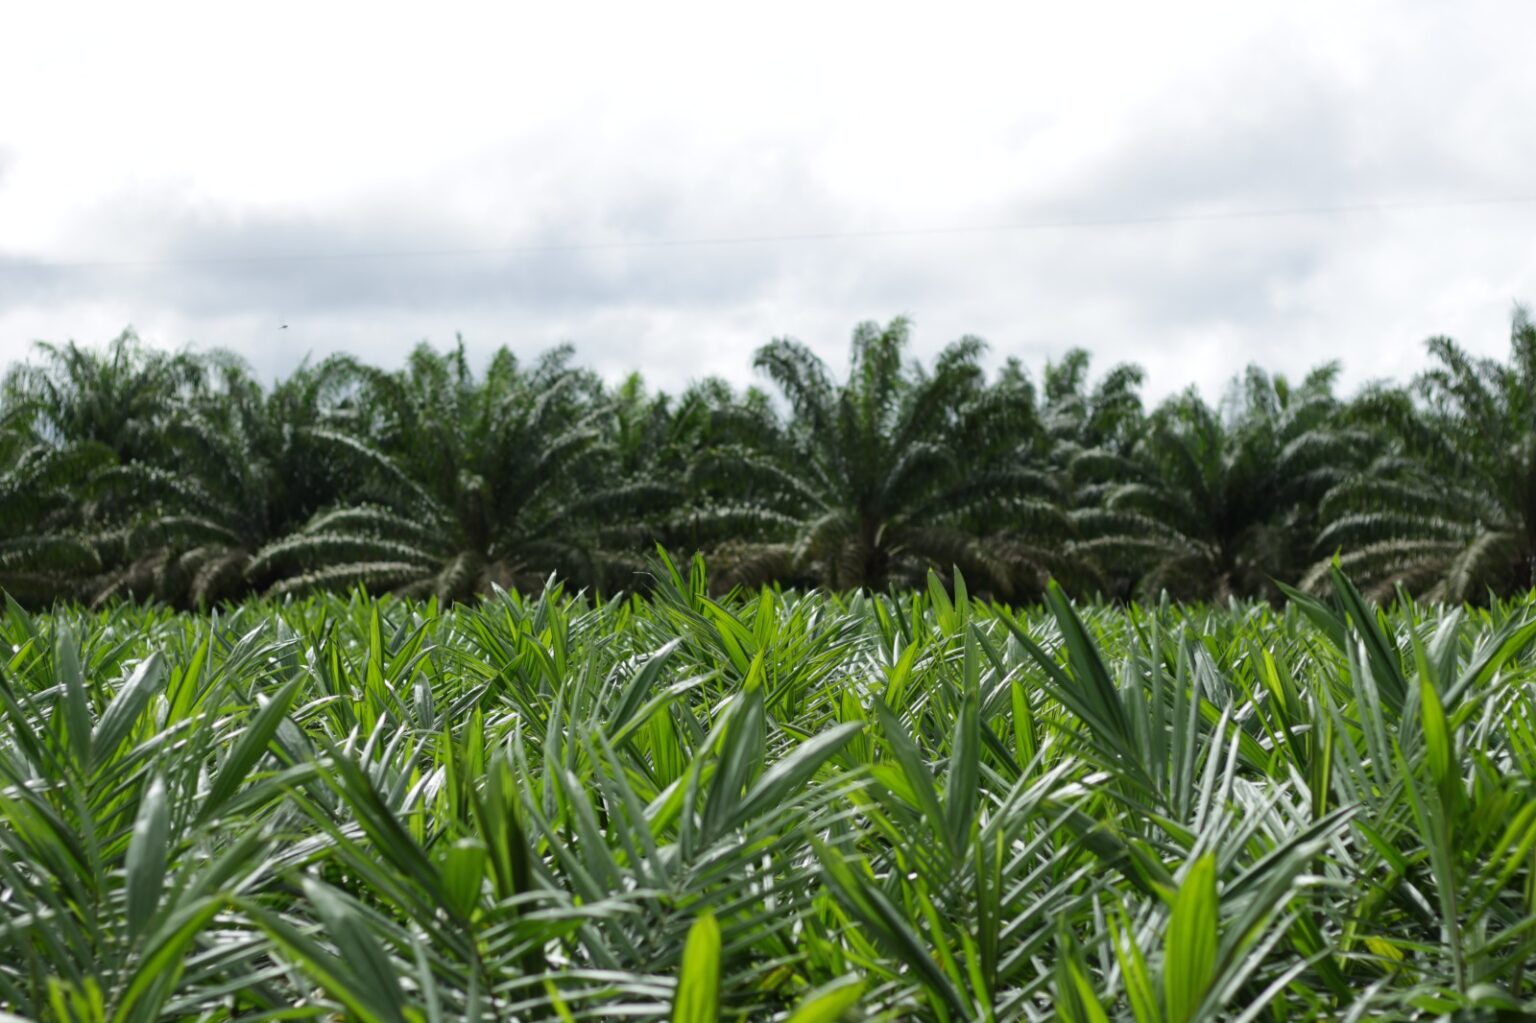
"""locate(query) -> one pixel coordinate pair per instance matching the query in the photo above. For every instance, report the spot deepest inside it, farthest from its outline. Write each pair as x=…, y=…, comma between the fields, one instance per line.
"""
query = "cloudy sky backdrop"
x=669, y=186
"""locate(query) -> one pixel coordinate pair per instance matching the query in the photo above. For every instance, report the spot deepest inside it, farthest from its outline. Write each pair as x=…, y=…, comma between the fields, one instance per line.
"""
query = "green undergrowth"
x=769, y=806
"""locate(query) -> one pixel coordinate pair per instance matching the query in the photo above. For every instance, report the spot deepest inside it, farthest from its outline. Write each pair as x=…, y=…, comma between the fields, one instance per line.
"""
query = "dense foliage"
x=130, y=472
x=770, y=806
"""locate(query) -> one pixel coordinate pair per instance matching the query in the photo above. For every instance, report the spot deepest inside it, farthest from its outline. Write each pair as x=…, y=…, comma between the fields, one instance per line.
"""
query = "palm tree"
x=1449, y=505
x=1221, y=501
x=893, y=471
x=79, y=415
x=1108, y=416
x=1088, y=439
x=479, y=483
x=44, y=553
x=117, y=396
x=707, y=457
x=238, y=469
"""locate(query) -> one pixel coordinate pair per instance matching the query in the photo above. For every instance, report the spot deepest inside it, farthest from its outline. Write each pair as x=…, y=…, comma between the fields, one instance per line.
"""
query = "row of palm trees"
x=133, y=472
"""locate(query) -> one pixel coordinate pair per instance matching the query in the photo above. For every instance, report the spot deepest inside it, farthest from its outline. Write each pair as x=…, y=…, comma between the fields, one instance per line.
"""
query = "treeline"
x=131, y=472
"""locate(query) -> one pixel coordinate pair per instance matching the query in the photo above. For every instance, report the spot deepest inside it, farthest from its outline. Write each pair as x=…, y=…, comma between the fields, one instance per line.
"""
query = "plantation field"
x=771, y=806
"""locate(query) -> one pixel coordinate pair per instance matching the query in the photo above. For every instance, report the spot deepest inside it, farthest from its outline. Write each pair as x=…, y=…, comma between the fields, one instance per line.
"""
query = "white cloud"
x=180, y=133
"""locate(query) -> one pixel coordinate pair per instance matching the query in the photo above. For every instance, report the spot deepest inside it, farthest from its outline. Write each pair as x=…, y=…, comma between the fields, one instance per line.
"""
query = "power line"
x=768, y=239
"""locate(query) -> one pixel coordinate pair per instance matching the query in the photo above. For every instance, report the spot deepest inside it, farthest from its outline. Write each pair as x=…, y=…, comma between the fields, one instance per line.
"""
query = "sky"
x=669, y=186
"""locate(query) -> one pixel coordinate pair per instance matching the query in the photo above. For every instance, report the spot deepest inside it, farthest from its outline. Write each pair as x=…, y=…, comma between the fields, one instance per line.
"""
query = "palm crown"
x=1220, y=500
x=886, y=474
x=1450, y=504
x=240, y=468
x=44, y=551
x=475, y=482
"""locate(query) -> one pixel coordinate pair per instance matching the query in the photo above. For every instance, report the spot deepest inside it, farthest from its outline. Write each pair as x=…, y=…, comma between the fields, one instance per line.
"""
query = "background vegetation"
x=772, y=806
x=132, y=472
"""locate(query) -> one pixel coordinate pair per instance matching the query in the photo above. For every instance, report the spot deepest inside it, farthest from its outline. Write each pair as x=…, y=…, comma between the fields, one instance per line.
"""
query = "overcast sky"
x=372, y=177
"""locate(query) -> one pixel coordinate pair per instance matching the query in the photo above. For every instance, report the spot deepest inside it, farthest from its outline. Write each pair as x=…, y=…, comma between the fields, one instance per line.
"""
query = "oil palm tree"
x=481, y=482
x=1088, y=439
x=239, y=468
x=1220, y=501
x=1449, y=504
x=96, y=423
x=116, y=396
x=894, y=470
x=1104, y=416
x=710, y=456
x=45, y=554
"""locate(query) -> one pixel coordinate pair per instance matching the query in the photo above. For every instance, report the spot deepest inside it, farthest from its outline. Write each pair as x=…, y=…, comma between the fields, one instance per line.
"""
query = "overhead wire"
x=1195, y=217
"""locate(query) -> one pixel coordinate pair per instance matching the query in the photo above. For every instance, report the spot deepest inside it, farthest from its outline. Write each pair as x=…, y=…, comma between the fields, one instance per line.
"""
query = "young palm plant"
x=772, y=805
